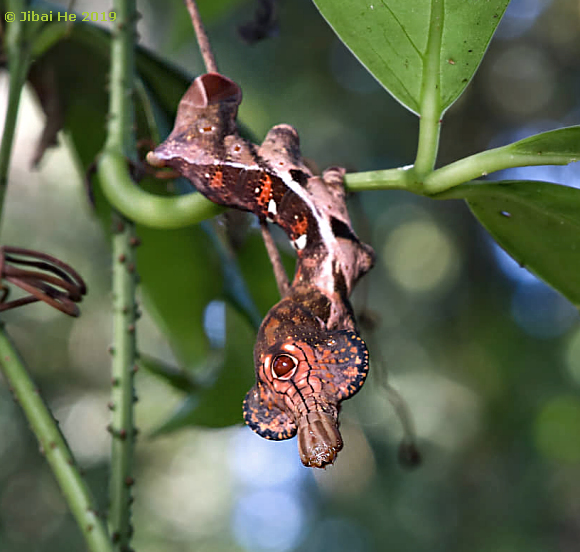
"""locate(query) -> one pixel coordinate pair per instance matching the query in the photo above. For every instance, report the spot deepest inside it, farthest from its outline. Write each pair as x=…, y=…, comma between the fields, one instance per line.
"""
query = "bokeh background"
x=487, y=356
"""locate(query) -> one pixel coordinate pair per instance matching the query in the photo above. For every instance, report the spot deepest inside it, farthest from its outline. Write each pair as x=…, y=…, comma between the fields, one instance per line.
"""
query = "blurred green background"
x=487, y=356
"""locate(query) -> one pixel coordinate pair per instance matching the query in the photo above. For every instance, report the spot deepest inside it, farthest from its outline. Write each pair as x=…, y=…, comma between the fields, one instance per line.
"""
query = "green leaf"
x=257, y=269
x=220, y=404
x=562, y=142
x=537, y=223
x=236, y=289
x=179, y=276
x=389, y=37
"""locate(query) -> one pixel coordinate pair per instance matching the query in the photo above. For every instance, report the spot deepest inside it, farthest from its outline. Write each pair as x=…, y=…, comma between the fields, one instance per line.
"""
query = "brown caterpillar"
x=308, y=355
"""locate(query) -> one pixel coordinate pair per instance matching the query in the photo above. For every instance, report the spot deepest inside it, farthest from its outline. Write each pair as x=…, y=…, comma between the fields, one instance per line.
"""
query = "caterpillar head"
x=300, y=385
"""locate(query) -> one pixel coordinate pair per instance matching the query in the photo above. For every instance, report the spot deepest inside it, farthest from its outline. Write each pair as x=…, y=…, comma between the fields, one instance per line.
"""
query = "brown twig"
x=202, y=38
x=61, y=288
x=274, y=254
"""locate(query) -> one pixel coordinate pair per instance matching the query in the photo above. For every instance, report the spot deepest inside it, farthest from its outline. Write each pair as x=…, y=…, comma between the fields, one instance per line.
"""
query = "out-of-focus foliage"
x=487, y=356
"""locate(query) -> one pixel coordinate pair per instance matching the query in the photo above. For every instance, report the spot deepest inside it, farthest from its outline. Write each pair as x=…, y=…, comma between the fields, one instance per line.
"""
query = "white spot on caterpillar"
x=272, y=208
x=256, y=190
x=323, y=224
x=300, y=242
x=206, y=175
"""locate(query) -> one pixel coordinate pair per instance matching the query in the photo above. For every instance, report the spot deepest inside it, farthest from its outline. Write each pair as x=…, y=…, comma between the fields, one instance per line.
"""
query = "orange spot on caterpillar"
x=217, y=179
x=266, y=192
x=300, y=227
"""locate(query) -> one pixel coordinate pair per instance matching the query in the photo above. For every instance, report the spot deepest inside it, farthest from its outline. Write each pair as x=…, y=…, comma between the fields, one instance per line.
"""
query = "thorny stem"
x=121, y=143
x=202, y=38
x=120, y=133
x=53, y=446
x=133, y=202
x=123, y=370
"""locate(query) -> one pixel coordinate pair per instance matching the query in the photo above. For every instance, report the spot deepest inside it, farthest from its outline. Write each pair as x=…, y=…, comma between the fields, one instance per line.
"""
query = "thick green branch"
x=144, y=208
x=53, y=446
x=430, y=106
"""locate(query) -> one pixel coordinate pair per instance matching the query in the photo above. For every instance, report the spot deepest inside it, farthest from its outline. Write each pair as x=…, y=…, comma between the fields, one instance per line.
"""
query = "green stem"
x=144, y=208
x=18, y=54
x=484, y=163
x=120, y=130
x=122, y=393
x=53, y=446
x=121, y=142
x=390, y=179
x=430, y=107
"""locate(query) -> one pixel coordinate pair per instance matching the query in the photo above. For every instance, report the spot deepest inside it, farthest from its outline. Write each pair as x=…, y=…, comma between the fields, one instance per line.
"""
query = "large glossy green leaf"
x=537, y=223
x=389, y=37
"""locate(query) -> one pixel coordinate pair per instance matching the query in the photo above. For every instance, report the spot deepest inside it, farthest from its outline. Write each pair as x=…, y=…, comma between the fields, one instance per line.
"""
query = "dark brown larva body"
x=308, y=355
